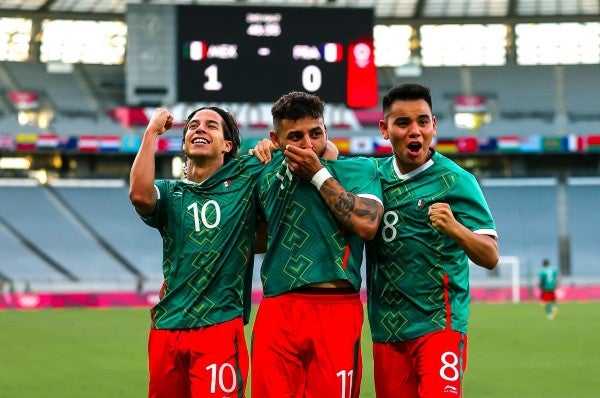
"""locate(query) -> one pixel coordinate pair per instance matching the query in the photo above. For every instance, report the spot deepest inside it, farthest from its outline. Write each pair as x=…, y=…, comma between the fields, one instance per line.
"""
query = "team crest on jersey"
x=420, y=203
x=227, y=184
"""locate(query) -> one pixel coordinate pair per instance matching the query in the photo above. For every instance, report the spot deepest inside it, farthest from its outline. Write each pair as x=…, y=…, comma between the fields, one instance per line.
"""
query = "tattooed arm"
x=360, y=215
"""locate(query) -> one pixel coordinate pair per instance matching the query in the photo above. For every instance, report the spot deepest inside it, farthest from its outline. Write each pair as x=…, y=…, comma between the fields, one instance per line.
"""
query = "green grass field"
x=514, y=351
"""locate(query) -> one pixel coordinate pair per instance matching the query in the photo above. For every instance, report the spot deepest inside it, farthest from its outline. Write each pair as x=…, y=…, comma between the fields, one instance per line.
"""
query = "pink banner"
x=63, y=300
x=565, y=293
x=131, y=299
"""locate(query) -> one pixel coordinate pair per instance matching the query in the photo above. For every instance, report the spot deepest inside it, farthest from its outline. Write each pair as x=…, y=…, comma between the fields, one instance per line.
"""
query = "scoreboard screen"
x=256, y=54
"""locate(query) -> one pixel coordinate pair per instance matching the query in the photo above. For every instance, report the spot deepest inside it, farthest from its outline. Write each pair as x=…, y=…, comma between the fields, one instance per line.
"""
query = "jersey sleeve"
x=357, y=175
x=159, y=217
x=470, y=207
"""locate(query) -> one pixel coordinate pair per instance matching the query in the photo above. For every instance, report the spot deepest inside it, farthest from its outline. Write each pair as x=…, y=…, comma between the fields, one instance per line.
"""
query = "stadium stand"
x=584, y=219
x=51, y=230
x=108, y=212
x=22, y=264
x=525, y=212
x=89, y=230
x=521, y=100
x=62, y=91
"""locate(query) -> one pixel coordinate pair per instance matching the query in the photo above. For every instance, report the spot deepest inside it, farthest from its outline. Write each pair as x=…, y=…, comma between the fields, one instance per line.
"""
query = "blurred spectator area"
x=87, y=231
x=521, y=100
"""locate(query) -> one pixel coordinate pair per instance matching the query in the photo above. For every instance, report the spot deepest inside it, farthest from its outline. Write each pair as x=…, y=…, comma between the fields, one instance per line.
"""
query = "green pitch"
x=514, y=351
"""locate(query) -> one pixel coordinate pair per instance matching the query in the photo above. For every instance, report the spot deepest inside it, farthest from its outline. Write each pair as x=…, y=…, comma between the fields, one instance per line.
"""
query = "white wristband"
x=319, y=178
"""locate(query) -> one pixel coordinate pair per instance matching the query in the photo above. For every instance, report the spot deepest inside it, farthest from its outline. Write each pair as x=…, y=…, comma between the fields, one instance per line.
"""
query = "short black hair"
x=406, y=92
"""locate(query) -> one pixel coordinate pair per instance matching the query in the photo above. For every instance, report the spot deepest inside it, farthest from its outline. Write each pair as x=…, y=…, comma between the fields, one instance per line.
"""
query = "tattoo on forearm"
x=369, y=209
x=338, y=199
x=344, y=204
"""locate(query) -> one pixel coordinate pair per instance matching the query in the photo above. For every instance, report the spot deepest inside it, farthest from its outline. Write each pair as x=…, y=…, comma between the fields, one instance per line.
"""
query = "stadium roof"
x=384, y=9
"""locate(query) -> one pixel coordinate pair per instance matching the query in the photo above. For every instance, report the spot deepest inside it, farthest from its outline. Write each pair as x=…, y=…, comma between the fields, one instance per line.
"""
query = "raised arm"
x=360, y=215
x=142, y=193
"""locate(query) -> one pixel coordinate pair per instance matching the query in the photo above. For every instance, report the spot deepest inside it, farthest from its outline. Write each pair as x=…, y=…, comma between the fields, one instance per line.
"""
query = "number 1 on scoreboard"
x=213, y=83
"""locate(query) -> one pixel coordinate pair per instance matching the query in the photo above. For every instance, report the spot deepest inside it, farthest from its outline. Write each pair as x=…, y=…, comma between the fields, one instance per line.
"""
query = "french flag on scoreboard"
x=332, y=52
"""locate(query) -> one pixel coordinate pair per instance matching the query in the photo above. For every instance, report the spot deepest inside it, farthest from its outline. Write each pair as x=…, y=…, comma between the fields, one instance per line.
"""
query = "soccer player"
x=435, y=220
x=196, y=345
x=306, y=336
x=548, y=282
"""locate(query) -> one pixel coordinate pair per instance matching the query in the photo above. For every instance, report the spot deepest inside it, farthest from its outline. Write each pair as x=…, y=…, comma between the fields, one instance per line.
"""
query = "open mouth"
x=414, y=148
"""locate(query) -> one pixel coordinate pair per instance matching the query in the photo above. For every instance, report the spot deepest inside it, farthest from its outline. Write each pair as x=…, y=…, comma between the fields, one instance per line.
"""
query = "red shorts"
x=430, y=366
x=210, y=361
x=548, y=296
x=307, y=346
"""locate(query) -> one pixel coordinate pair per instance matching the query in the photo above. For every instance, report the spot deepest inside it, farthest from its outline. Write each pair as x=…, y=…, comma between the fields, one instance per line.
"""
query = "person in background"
x=436, y=219
x=548, y=280
x=306, y=340
x=196, y=345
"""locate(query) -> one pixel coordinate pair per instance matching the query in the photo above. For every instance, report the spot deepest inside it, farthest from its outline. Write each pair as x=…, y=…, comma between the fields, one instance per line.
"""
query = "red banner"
x=362, y=90
x=24, y=100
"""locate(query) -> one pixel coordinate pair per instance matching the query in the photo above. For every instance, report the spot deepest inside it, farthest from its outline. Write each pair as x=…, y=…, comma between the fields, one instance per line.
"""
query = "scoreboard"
x=256, y=54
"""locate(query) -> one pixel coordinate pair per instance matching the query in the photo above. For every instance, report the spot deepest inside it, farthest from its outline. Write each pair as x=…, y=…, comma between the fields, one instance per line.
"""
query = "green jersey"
x=306, y=243
x=208, y=232
x=548, y=277
x=418, y=278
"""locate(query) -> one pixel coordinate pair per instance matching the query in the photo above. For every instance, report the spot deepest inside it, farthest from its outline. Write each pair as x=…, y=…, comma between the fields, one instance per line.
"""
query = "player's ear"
x=383, y=129
x=274, y=139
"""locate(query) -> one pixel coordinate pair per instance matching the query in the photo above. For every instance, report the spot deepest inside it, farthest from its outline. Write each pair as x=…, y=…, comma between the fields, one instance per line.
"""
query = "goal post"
x=515, y=279
x=505, y=278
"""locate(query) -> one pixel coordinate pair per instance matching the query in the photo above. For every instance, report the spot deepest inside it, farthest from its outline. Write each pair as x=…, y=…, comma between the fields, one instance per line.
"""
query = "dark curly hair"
x=297, y=105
